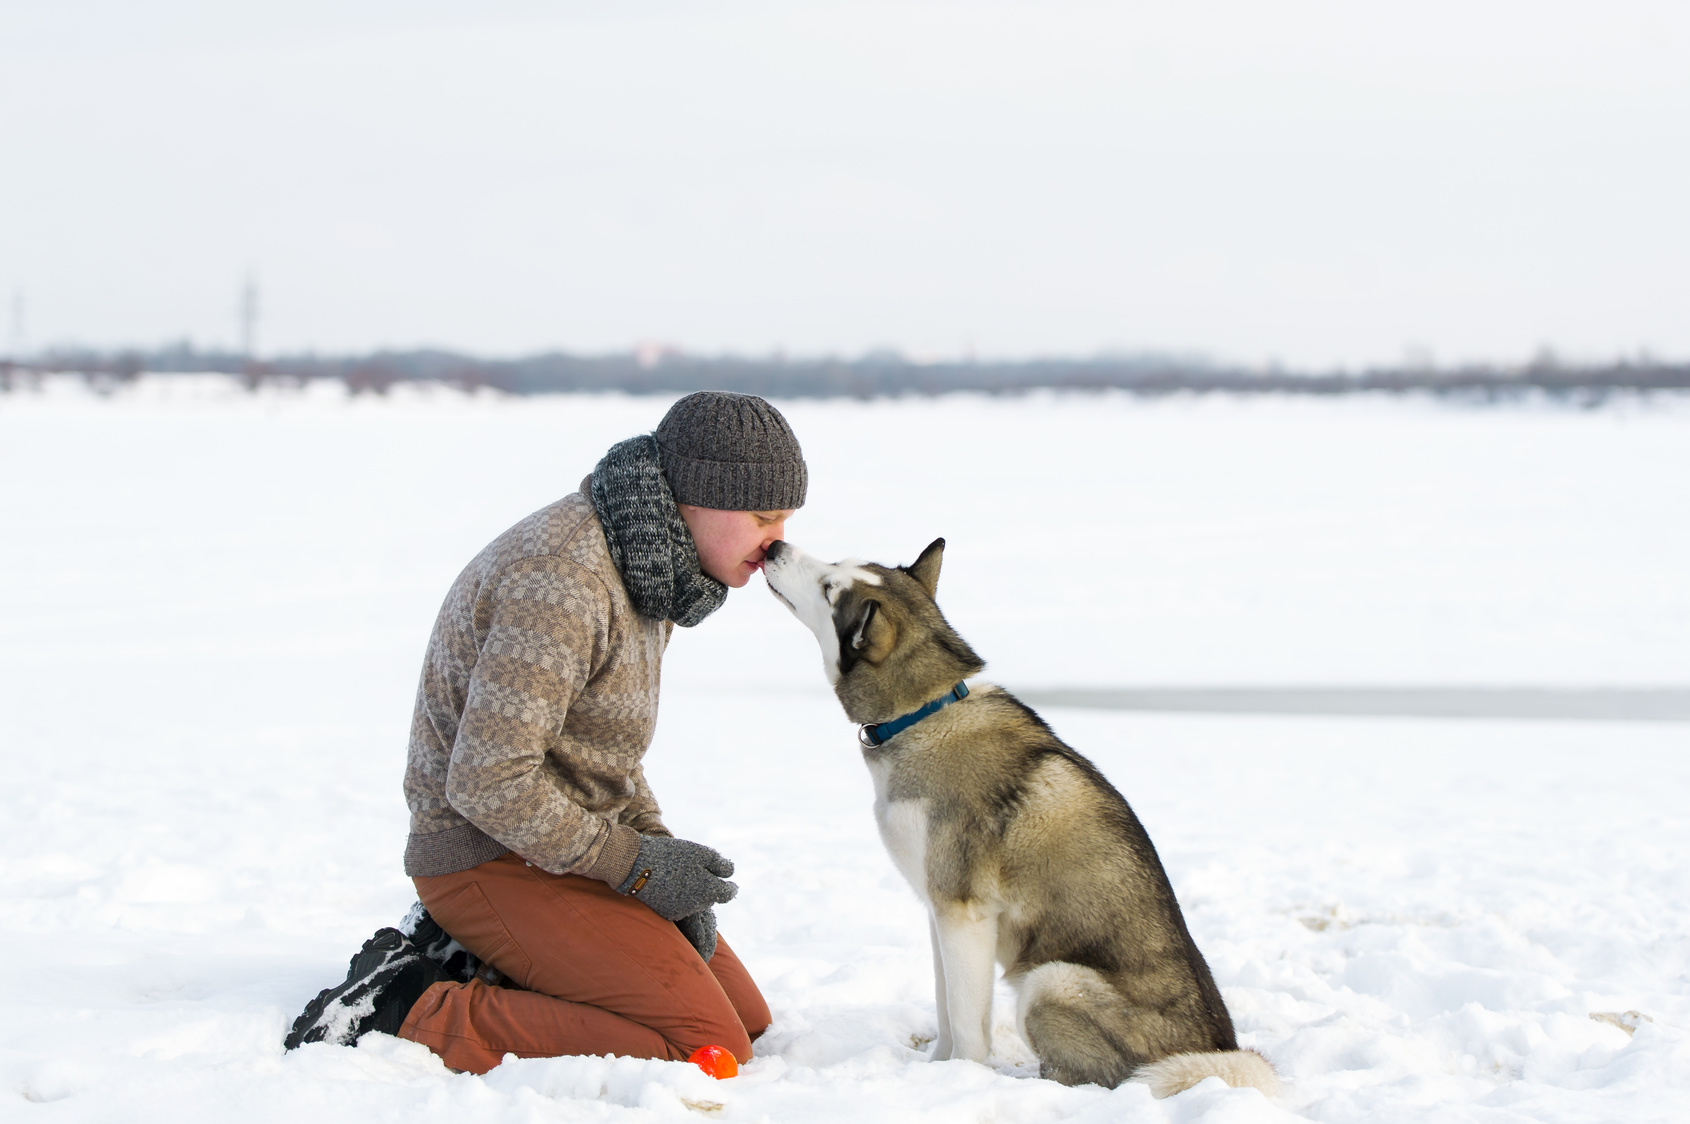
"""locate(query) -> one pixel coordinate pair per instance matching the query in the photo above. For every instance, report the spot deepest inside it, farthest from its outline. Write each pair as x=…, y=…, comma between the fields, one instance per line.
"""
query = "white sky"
x=1309, y=183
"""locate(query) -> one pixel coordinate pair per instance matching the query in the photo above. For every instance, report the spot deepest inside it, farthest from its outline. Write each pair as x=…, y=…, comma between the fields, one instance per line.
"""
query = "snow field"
x=214, y=607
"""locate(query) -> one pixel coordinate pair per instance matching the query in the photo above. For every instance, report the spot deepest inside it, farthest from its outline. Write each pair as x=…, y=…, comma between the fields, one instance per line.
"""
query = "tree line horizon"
x=874, y=374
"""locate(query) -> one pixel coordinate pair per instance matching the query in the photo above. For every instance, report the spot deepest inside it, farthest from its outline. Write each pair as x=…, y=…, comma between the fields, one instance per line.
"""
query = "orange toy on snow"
x=716, y=1061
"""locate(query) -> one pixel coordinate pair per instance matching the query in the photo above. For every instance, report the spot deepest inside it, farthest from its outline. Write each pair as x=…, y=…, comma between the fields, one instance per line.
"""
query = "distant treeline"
x=877, y=374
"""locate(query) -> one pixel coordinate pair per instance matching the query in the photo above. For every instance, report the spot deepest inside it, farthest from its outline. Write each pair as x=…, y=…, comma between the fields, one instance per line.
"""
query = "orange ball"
x=717, y=1061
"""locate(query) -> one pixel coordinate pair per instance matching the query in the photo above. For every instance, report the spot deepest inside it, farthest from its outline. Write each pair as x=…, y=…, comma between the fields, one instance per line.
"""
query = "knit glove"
x=700, y=929
x=677, y=877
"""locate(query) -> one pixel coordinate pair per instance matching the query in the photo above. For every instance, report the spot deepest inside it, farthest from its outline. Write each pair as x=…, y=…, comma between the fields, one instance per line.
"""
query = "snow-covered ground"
x=213, y=606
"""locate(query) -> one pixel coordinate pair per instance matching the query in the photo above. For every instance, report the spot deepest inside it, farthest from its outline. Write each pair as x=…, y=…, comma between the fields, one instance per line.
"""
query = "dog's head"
x=886, y=648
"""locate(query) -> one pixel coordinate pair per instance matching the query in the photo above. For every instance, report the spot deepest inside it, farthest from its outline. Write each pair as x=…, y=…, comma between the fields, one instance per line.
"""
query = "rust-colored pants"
x=597, y=973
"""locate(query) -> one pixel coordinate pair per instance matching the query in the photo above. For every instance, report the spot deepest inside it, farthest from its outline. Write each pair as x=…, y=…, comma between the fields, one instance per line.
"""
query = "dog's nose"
x=774, y=551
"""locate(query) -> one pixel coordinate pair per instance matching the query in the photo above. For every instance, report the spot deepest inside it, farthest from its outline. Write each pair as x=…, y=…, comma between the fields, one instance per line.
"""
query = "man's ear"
x=926, y=568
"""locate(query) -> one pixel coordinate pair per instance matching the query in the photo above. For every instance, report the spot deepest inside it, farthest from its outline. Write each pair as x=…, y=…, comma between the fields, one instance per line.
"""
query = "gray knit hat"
x=731, y=451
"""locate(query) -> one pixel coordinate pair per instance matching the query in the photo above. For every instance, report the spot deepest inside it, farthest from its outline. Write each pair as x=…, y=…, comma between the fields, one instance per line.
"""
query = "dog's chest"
x=903, y=828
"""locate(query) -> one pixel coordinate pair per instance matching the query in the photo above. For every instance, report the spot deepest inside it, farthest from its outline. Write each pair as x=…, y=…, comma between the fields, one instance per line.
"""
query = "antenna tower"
x=249, y=318
x=15, y=352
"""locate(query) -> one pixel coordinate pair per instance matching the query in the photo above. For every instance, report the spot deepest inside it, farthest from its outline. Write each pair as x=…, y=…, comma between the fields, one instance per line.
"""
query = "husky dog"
x=1023, y=852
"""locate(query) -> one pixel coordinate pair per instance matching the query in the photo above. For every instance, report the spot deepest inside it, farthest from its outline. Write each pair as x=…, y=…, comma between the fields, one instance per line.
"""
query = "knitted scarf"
x=649, y=541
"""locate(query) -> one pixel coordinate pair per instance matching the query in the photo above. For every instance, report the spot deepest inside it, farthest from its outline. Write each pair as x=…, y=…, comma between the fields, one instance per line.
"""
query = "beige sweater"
x=537, y=702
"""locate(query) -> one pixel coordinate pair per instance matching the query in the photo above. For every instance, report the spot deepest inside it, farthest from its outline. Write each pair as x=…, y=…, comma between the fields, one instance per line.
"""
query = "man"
x=535, y=841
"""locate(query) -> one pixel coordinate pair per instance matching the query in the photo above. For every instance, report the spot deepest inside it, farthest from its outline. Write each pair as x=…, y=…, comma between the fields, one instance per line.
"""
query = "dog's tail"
x=1242, y=1069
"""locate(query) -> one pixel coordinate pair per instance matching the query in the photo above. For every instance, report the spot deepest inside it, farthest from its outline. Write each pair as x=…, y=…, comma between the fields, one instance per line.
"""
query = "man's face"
x=731, y=543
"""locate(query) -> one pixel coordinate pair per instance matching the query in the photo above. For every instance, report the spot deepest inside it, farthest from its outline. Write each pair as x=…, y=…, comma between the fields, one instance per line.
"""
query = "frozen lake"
x=213, y=613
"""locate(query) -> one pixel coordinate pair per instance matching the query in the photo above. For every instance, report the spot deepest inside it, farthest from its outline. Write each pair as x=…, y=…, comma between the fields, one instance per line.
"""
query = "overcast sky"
x=1309, y=183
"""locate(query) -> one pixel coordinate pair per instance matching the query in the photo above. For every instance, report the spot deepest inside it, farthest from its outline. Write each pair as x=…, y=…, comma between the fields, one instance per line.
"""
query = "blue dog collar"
x=873, y=735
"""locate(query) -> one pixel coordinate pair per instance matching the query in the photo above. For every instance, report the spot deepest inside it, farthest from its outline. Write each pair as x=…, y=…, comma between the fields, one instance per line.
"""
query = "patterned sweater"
x=537, y=702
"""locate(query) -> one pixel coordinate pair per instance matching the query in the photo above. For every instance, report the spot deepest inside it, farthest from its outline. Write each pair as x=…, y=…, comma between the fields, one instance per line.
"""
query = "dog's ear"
x=859, y=634
x=926, y=568
x=865, y=633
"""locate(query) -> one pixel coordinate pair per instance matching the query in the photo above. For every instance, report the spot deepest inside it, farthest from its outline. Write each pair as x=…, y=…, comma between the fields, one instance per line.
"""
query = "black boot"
x=452, y=958
x=386, y=977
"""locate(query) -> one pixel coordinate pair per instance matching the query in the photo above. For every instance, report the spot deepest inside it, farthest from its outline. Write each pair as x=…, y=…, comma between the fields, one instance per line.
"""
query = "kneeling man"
x=536, y=843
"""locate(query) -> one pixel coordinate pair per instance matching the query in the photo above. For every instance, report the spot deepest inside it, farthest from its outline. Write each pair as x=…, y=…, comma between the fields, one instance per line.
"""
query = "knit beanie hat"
x=731, y=451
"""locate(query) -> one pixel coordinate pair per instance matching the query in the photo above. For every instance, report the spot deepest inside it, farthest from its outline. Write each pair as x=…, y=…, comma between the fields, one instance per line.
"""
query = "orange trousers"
x=594, y=972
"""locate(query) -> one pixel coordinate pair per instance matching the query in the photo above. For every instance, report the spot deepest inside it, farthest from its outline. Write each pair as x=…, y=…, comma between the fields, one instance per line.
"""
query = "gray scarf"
x=649, y=541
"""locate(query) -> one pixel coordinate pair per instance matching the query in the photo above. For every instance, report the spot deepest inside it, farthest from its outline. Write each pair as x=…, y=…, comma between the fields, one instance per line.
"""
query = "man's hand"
x=677, y=877
x=700, y=929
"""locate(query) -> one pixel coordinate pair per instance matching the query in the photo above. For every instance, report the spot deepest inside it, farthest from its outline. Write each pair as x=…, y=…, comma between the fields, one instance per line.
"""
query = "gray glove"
x=677, y=877
x=700, y=929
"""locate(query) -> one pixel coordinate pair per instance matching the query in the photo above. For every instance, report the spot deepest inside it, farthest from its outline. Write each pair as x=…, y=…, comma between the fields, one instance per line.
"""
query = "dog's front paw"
x=941, y=1050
